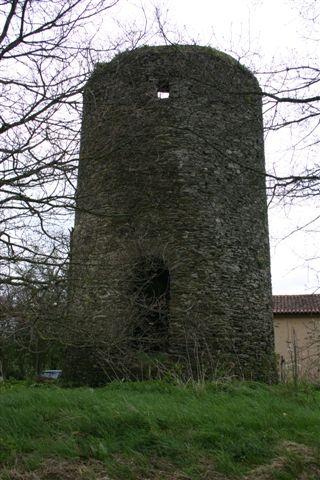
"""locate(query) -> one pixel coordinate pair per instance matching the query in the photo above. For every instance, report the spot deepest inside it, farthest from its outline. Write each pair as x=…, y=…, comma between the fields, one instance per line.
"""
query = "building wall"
x=297, y=340
x=178, y=182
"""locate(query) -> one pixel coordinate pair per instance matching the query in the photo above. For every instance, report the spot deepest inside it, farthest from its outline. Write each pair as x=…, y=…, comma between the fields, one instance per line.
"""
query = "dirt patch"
x=157, y=469
x=53, y=469
x=299, y=462
x=294, y=458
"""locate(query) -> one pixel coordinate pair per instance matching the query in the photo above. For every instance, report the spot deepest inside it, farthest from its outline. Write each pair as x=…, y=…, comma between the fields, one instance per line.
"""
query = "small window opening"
x=151, y=298
x=163, y=94
x=163, y=89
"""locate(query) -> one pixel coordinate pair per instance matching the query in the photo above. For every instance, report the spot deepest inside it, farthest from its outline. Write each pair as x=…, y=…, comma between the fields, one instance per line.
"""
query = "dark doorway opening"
x=152, y=298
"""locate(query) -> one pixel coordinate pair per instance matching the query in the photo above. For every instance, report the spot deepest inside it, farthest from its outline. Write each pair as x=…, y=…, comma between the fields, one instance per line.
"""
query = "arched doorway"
x=151, y=298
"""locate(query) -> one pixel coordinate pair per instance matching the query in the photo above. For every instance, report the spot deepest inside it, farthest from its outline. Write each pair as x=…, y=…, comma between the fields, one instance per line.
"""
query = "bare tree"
x=32, y=318
x=46, y=51
x=292, y=103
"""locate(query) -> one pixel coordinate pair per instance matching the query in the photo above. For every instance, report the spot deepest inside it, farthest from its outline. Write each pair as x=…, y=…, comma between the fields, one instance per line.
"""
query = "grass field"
x=155, y=430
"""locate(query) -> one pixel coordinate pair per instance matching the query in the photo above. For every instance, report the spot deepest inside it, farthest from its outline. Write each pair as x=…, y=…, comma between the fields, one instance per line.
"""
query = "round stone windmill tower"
x=170, y=257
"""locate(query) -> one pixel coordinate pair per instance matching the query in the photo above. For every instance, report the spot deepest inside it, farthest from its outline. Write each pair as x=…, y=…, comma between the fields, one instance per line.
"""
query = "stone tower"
x=170, y=257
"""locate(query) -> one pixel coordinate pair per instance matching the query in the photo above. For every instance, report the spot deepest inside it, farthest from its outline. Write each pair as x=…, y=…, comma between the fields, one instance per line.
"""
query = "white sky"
x=265, y=33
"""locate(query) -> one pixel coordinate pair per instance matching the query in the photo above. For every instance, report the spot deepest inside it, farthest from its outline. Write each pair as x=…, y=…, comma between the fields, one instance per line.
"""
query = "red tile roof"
x=296, y=304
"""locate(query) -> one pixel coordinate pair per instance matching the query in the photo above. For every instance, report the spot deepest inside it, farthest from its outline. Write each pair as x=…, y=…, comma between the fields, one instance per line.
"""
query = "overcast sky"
x=265, y=34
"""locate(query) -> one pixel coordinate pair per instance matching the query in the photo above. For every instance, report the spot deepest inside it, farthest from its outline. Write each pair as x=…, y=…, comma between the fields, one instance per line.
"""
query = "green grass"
x=159, y=430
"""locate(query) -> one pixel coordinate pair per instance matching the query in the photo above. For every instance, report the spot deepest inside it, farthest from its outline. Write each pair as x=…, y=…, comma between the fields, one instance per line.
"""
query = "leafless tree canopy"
x=46, y=50
x=292, y=104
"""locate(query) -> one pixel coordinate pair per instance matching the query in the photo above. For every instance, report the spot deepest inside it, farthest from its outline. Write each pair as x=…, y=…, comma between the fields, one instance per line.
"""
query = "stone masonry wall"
x=179, y=181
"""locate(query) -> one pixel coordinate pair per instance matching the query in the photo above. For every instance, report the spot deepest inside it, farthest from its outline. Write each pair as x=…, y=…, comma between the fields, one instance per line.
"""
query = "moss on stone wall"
x=180, y=180
x=102, y=67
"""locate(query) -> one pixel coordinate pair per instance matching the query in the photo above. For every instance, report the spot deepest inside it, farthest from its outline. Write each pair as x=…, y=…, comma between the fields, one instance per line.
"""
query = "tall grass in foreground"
x=137, y=427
